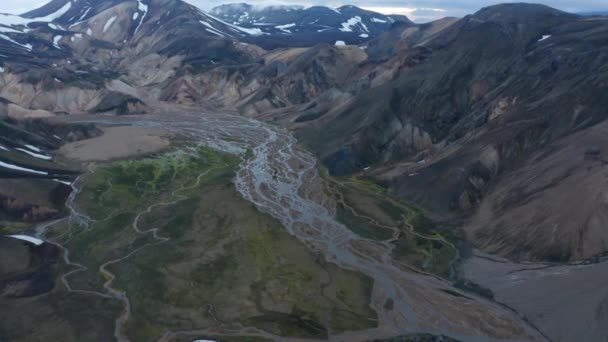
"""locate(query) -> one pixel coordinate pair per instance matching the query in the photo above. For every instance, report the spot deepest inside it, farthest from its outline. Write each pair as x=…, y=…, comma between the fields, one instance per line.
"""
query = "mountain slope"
x=68, y=12
x=84, y=56
x=77, y=60
x=497, y=86
x=34, y=184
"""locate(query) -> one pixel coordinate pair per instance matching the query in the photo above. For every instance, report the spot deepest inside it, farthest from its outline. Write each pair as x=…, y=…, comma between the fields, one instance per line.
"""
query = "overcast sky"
x=421, y=10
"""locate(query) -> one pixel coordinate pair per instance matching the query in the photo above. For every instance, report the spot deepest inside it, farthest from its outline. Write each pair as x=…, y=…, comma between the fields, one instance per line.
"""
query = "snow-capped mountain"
x=292, y=20
x=74, y=12
x=58, y=28
x=64, y=24
x=98, y=18
x=73, y=56
x=71, y=49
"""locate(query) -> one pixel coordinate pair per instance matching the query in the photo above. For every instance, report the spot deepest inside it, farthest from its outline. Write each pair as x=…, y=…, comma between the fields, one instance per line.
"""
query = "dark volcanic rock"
x=119, y=104
x=27, y=270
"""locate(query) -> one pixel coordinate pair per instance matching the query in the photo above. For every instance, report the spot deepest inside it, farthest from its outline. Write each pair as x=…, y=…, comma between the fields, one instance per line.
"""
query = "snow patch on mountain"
x=56, y=27
x=33, y=148
x=17, y=20
x=19, y=168
x=56, y=40
x=234, y=28
x=8, y=30
x=25, y=46
x=109, y=23
x=12, y=20
x=209, y=28
x=85, y=14
x=244, y=16
x=62, y=182
x=34, y=154
x=352, y=24
x=285, y=28
x=81, y=18
x=26, y=238
x=381, y=21
x=142, y=7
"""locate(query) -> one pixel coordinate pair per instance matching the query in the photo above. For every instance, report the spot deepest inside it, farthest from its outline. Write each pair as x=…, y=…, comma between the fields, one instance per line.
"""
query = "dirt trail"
x=81, y=220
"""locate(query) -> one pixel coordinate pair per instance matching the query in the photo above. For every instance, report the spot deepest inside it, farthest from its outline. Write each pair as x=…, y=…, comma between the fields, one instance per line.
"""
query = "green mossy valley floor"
x=216, y=261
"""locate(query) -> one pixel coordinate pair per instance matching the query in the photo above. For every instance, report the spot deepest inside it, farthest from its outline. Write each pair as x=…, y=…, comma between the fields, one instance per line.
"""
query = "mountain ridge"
x=348, y=23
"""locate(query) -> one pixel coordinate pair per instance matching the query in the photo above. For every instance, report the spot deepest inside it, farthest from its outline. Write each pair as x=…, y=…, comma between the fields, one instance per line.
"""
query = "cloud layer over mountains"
x=418, y=10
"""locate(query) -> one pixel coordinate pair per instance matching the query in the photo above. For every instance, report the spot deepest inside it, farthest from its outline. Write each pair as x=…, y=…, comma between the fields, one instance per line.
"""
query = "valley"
x=251, y=174
x=281, y=180
x=120, y=239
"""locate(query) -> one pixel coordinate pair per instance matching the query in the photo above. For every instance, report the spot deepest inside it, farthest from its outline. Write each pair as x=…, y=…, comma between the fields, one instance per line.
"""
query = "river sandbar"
x=117, y=143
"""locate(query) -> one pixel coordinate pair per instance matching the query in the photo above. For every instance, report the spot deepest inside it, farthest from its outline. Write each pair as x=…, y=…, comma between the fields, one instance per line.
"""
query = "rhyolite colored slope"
x=444, y=112
x=484, y=97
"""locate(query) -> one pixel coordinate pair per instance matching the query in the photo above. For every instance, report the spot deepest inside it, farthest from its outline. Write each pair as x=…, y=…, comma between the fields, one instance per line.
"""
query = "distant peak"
x=521, y=9
x=249, y=7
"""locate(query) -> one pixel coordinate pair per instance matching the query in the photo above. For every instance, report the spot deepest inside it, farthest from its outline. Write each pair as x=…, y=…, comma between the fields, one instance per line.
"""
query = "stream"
x=281, y=179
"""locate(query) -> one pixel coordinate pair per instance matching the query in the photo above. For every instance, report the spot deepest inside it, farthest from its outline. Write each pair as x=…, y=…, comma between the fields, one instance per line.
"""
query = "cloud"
x=20, y=6
x=415, y=8
x=390, y=10
x=425, y=9
x=414, y=13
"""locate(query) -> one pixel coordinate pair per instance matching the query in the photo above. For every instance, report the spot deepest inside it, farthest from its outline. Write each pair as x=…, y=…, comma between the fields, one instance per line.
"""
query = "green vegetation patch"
x=366, y=208
x=11, y=227
x=58, y=316
x=223, y=338
x=362, y=226
x=207, y=258
x=235, y=265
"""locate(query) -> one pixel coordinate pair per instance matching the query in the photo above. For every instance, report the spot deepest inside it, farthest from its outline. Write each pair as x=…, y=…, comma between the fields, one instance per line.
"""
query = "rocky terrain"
x=449, y=146
x=460, y=121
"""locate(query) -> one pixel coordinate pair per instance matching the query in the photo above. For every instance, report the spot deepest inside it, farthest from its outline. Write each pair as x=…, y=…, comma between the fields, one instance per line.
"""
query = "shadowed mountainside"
x=490, y=92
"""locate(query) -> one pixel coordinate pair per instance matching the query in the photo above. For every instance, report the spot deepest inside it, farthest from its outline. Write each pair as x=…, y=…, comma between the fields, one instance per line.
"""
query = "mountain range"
x=295, y=24
x=484, y=95
x=486, y=112
x=493, y=123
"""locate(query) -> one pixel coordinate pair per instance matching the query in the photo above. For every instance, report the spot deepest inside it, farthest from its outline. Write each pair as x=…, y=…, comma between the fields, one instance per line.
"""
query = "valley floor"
x=192, y=255
x=252, y=243
x=116, y=143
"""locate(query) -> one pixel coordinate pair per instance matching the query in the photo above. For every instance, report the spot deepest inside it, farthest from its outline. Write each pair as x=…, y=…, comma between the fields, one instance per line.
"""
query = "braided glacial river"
x=280, y=178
